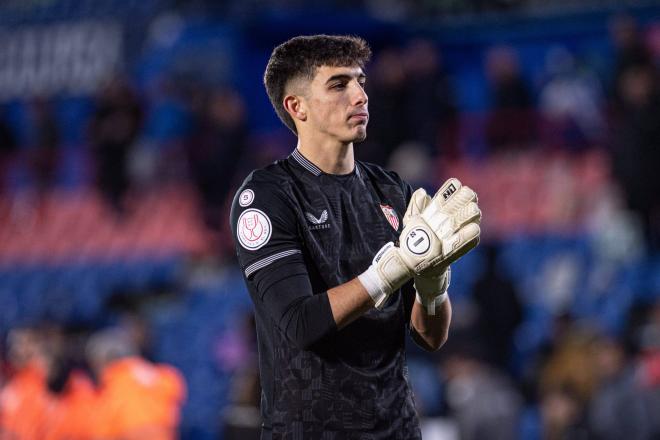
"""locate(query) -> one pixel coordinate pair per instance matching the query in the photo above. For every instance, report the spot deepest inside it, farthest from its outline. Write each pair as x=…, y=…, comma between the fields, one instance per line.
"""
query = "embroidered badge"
x=390, y=215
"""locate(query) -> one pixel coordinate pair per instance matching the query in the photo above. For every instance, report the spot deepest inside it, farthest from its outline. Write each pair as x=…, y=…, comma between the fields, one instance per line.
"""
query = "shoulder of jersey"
x=261, y=187
x=271, y=174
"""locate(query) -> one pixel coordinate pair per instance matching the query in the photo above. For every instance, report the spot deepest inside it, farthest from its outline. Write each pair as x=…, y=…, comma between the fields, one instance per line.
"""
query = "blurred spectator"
x=219, y=138
x=511, y=124
x=8, y=147
x=570, y=367
x=570, y=104
x=25, y=400
x=429, y=108
x=648, y=370
x=568, y=380
x=136, y=399
x=481, y=399
x=627, y=401
x=385, y=88
x=615, y=411
x=158, y=156
x=499, y=311
x=114, y=127
x=71, y=413
x=637, y=146
x=43, y=153
x=413, y=162
x=562, y=416
x=629, y=47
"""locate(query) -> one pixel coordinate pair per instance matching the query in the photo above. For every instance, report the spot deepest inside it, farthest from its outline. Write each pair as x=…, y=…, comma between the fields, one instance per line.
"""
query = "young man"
x=331, y=322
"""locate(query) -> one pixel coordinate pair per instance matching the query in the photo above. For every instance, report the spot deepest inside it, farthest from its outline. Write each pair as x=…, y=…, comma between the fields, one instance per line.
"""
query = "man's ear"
x=295, y=106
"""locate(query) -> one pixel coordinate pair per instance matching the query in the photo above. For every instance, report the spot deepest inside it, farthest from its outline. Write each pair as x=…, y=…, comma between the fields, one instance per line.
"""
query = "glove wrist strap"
x=374, y=286
x=432, y=305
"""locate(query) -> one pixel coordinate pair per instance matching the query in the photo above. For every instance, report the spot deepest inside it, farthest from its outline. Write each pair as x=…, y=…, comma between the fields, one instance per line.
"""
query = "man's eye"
x=339, y=86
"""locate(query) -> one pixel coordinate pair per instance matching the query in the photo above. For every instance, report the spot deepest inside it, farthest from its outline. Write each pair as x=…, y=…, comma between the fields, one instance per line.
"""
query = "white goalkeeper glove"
x=430, y=291
x=446, y=229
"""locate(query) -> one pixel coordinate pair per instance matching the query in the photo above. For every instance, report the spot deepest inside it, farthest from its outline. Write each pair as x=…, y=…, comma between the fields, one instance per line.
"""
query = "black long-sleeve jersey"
x=299, y=232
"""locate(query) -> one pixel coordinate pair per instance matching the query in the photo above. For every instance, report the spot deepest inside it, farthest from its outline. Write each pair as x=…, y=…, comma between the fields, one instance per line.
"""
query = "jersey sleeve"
x=264, y=227
x=269, y=251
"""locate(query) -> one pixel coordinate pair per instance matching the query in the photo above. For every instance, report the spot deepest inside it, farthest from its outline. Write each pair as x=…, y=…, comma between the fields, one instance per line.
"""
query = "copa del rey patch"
x=390, y=215
x=254, y=229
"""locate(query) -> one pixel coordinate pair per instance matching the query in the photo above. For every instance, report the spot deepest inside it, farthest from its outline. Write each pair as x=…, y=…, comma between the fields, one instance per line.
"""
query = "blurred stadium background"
x=126, y=125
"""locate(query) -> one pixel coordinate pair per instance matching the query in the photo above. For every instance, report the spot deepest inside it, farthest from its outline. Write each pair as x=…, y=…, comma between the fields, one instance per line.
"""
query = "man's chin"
x=360, y=135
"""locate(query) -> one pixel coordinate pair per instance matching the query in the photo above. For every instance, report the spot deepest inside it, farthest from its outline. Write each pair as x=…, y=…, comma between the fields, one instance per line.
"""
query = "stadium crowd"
x=585, y=381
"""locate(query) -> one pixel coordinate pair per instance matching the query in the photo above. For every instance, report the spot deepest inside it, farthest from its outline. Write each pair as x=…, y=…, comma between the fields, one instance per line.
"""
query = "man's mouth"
x=359, y=116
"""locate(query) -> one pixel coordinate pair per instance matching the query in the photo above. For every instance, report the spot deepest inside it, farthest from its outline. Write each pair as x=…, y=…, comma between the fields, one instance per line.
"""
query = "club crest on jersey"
x=254, y=229
x=320, y=222
x=390, y=215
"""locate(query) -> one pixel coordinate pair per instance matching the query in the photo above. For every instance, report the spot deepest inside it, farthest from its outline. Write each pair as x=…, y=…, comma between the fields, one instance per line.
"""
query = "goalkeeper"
x=336, y=274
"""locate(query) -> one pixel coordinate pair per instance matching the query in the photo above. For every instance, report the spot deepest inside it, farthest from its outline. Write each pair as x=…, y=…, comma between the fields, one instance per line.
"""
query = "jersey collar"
x=309, y=166
x=305, y=163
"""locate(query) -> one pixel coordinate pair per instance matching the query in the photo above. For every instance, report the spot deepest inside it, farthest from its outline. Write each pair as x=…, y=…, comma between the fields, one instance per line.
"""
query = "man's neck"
x=331, y=157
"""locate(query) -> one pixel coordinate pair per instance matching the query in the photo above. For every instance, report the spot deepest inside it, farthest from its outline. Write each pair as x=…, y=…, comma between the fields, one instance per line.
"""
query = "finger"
x=470, y=213
x=462, y=242
x=447, y=190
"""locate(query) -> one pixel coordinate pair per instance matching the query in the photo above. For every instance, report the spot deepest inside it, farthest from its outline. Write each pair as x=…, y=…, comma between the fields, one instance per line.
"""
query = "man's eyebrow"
x=345, y=77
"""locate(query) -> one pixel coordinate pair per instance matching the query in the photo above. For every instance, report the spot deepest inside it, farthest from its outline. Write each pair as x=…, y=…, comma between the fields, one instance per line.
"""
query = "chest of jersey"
x=344, y=222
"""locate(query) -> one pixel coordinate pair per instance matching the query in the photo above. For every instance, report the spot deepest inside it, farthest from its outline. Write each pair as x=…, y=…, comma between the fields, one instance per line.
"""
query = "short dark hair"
x=301, y=56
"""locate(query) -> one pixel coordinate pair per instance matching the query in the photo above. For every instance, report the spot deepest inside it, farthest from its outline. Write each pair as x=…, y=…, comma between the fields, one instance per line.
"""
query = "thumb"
x=418, y=202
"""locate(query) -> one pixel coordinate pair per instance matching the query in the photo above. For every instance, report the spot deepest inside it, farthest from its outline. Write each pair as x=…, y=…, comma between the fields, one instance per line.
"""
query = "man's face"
x=336, y=104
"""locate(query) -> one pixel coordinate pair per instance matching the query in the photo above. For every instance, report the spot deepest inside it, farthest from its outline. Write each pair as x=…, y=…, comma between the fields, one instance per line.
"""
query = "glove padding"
x=430, y=291
x=446, y=229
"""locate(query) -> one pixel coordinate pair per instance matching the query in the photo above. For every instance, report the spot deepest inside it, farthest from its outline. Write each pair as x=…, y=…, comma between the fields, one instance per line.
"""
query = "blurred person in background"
x=637, y=146
x=630, y=49
x=43, y=154
x=499, y=311
x=429, y=112
x=481, y=399
x=562, y=415
x=511, y=124
x=8, y=147
x=386, y=87
x=25, y=401
x=570, y=378
x=113, y=129
x=647, y=370
x=615, y=410
x=136, y=399
x=570, y=104
x=214, y=149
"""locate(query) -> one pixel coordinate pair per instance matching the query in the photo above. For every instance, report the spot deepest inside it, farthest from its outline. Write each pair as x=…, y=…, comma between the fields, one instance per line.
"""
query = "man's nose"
x=360, y=97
